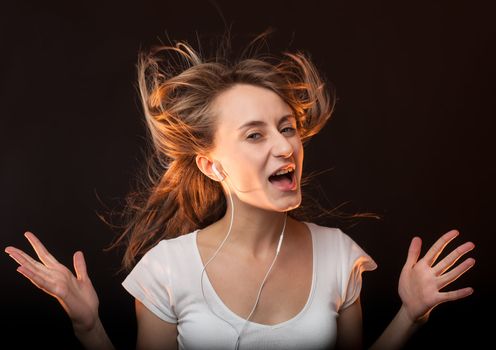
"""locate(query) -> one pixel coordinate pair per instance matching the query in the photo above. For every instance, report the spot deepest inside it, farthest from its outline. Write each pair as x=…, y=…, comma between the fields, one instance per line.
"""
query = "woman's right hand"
x=75, y=293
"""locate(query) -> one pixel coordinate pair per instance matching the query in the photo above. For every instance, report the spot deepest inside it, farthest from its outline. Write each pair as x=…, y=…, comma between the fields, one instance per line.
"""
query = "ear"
x=205, y=165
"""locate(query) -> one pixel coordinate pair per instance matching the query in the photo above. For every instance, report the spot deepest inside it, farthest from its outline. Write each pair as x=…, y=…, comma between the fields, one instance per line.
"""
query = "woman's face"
x=256, y=138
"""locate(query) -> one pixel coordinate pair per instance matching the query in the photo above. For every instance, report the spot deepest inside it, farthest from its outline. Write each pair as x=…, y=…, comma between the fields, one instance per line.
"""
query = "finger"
x=40, y=250
x=449, y=260
x=9, y=250
x=80, y=266
x=413, y=252
x=31, y=265
x=28, y=266
x=22, y=258
x=456, y=294
x=452, y=275
x=438, y=247
x=39, y=281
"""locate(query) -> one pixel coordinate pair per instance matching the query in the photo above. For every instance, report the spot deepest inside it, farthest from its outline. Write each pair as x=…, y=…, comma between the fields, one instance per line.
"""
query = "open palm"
x=74, y=292
x=421, y=280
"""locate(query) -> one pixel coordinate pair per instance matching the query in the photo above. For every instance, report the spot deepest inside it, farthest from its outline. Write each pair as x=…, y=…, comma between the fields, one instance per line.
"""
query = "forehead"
x=243, y=103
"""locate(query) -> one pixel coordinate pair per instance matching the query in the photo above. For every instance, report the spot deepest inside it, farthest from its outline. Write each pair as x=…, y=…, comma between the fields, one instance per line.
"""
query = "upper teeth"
x=284, y=171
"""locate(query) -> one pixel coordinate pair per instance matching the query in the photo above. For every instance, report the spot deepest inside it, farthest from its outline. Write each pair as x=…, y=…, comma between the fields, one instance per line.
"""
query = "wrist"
x=94, y=337
x=412, y=320
x=84, y=328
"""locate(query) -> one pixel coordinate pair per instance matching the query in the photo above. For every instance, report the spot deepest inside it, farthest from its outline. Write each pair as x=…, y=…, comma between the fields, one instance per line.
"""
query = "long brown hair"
x=177, y=87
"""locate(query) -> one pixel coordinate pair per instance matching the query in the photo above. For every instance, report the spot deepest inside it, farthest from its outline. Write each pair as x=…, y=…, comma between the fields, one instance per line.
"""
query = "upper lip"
x=286, y=166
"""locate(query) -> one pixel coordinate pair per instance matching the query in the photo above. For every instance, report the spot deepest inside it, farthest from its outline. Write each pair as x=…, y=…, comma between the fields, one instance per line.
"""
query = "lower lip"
x=292, y=186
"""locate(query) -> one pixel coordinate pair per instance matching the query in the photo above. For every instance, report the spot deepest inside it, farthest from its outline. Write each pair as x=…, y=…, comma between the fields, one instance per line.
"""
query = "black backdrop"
x=411, y=139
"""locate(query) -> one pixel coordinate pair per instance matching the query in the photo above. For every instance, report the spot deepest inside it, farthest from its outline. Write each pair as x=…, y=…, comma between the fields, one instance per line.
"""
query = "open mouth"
x=284, y=179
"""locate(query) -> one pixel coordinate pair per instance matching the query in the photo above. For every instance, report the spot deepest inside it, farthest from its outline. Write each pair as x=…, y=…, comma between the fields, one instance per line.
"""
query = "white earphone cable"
x=263, y=282
x=212, y=257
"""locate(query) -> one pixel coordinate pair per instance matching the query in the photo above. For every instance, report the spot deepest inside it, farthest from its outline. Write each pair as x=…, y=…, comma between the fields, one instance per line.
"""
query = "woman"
x=223, y=261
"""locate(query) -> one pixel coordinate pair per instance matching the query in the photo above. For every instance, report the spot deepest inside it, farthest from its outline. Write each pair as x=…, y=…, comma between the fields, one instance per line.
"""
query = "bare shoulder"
x=153, y=332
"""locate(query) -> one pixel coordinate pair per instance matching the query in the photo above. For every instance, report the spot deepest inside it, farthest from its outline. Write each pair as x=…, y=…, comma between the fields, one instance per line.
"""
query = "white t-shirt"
x=167, y=281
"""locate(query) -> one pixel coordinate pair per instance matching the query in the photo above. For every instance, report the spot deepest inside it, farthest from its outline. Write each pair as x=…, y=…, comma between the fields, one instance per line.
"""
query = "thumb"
x=80, y=266
x=413, y=252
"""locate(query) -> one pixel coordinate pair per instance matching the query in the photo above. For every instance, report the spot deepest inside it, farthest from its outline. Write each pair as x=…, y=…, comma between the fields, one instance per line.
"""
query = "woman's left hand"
x=421, y=280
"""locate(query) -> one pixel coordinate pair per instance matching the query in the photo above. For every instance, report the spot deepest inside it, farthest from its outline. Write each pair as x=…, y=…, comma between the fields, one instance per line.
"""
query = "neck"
x=255, y=232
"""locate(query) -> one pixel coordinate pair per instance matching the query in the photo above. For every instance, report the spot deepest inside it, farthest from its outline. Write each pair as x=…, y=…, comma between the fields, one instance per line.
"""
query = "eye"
x=254, y=136
x=288, y=129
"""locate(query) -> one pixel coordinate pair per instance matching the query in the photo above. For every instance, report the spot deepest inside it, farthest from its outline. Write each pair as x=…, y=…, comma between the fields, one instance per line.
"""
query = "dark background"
x=411, y=140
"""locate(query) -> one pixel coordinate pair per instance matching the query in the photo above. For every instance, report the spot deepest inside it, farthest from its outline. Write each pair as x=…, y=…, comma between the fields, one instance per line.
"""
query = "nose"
x=281, y=147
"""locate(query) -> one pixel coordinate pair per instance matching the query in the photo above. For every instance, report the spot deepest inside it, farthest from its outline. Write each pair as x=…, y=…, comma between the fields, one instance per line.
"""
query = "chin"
x=293, y=204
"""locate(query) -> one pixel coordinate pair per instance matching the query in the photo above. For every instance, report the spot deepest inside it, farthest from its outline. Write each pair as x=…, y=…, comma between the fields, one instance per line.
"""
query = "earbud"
x=219, y=175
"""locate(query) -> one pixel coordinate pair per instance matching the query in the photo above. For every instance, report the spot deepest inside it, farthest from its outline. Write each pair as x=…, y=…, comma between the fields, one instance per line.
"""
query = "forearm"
x=397, y=332
x=95, y=338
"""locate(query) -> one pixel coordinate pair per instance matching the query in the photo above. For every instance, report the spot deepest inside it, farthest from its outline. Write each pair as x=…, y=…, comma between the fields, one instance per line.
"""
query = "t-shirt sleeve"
x=150, y=282
x=355, y=261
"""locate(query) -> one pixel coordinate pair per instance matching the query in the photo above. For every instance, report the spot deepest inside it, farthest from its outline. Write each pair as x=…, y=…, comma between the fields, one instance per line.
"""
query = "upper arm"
x=153, y=332
x=350, y=327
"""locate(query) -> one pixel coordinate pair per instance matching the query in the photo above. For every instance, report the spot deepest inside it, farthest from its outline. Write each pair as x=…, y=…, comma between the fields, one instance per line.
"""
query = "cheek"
x=252, y=167
x=299, y=151
x=246, y=165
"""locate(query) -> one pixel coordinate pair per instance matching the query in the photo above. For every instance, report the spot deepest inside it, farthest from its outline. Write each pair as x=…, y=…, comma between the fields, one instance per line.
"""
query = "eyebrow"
x=262, y=123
